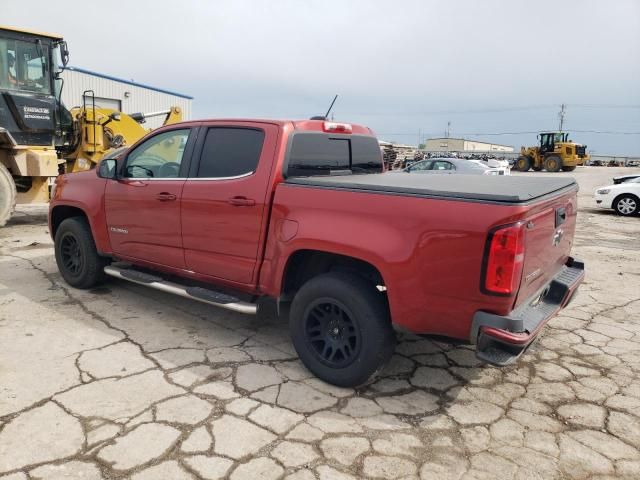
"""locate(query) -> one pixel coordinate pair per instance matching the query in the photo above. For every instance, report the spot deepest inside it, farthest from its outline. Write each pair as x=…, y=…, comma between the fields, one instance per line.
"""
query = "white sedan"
x=624, y=197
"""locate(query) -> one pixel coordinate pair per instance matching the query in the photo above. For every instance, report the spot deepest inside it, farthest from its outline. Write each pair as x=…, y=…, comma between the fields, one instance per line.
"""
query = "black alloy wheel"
x=71, y=253
x=340, y=326
x=76, y=256
x=331, y=332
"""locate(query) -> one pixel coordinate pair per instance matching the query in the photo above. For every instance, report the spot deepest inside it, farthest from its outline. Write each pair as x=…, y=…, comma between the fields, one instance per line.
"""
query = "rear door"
x=143, y=206
x=225, y=199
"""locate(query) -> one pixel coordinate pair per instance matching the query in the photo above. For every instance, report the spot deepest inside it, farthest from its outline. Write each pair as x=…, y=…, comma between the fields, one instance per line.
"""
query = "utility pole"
x=448, y=131
x=561, y=114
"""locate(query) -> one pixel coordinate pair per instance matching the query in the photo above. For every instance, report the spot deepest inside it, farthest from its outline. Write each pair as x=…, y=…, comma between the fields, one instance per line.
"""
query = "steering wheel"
x=149, y=163
x=169, y=170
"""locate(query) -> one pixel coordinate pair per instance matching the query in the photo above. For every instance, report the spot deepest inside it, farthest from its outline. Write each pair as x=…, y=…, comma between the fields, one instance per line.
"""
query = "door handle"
x=166, y=197
x=241, y=201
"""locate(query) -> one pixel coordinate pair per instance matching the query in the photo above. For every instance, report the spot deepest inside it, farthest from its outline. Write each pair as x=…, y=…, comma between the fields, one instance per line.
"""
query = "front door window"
x=158, y=157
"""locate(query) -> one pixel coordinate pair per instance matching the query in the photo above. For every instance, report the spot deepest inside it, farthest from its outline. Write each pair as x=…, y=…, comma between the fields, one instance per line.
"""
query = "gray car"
x=453, y=165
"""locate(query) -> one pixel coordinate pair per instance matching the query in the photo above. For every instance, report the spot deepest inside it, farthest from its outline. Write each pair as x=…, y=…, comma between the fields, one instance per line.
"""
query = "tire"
x=76, y=254
x=523, y=164
x=341, y=328
x=553, y=163
x=568, y=169
x=8, y=195
x=626, y=205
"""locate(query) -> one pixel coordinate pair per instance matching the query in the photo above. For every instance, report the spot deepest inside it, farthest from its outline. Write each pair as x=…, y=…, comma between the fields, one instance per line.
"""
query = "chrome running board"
x=200, y=294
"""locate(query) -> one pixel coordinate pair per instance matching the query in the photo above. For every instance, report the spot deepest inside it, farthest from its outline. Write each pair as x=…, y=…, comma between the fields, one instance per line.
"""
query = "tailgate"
x=549, y=231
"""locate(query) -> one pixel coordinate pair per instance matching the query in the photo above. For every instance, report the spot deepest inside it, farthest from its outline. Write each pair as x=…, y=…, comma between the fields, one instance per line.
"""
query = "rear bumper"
x=500, y=340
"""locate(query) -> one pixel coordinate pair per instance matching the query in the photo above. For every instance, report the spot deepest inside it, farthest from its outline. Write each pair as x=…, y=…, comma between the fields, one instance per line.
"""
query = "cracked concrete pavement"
x=126, y=382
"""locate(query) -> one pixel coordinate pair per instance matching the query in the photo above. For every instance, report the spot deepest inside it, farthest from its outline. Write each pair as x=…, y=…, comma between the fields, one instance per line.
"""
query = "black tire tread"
x=93, y=273
x=9, y=193
x=556, y=157
x=364, y=300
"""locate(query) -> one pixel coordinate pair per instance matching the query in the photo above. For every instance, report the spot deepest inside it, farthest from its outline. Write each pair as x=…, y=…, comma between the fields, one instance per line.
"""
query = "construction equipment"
x=39, y=137
x=555, y=152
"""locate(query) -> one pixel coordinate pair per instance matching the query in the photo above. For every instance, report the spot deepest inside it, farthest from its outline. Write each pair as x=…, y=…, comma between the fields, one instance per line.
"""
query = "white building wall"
x=462, y=145
x=132, y=98
x=471, y=146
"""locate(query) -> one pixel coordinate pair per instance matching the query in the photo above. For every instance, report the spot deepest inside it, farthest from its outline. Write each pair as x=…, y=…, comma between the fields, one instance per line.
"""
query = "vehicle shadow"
x=196, y=344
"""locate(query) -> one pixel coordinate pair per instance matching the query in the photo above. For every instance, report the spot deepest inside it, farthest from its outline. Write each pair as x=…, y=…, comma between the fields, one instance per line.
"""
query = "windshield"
x=24, y=66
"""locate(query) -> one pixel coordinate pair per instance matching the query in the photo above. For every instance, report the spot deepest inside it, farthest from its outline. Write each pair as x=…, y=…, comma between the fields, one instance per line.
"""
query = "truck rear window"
x=320, y=154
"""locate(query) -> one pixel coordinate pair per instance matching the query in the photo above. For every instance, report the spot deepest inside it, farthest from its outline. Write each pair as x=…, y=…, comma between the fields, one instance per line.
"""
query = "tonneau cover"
x=494, y=188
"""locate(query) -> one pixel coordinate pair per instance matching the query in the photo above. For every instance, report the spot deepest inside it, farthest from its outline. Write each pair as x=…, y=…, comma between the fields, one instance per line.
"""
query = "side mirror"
x=64, y=53
x=107, y=168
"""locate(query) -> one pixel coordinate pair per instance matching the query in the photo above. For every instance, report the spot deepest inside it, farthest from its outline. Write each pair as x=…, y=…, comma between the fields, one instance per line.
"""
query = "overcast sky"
x=403, y=68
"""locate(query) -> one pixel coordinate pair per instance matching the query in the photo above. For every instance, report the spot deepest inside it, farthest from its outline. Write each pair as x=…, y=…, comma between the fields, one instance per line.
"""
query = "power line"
x=601, y=105
x=500, y=109
x=598, y=132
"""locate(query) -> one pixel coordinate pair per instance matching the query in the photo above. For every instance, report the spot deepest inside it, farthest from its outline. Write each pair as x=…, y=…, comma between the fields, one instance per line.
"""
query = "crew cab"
x=230, y=212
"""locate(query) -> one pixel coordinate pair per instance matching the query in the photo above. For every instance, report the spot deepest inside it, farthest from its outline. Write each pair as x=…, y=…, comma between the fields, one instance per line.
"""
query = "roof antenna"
x=326, y=115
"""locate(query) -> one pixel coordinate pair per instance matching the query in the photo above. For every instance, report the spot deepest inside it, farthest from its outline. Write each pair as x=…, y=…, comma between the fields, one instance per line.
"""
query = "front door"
x=224, y=200
x=143, y=205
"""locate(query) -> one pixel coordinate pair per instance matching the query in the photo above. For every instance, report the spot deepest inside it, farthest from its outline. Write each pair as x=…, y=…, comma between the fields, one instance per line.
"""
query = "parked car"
x=624, y=178
x=455, y=165
x=622, y=197
x=301, y=213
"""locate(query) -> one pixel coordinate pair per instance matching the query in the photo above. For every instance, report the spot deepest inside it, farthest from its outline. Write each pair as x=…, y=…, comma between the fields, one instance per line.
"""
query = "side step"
x=200, y=294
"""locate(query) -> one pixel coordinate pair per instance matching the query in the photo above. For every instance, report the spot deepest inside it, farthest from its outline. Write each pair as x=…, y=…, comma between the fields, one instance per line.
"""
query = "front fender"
x=85, y=192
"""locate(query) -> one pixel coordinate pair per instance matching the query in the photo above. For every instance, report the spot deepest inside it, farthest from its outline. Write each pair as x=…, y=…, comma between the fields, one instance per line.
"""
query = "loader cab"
x=548, y=140
x=30, y=107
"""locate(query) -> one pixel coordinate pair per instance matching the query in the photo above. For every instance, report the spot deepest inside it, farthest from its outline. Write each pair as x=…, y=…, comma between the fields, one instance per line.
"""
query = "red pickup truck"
x=228, y=212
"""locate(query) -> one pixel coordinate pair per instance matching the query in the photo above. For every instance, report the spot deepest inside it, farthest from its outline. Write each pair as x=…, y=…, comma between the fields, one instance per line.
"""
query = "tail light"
x=504, y=259
x=334, y=127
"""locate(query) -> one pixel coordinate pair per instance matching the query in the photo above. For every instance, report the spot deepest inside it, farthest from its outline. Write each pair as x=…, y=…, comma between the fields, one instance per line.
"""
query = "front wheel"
x=523, y=163
x=76, y=254
x=7, y=195
x=341, y=329
x=626, y=205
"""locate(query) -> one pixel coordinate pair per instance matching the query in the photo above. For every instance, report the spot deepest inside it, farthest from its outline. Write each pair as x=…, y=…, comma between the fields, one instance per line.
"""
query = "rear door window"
x=421, y=166
x=319, y=154
x=442, y=165
x=230, y=152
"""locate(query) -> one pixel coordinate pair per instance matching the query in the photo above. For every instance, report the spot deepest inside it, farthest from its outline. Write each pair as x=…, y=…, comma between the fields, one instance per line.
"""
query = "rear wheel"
x=523, y=163
x=7, y=195
x=626, y=205
x=341, y=329
x=76, y=254
x=553, y=163
x=568, y=168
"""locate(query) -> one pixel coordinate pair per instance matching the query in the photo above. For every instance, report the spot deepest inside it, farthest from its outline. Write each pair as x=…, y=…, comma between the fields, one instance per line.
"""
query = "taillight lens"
x=504, y=260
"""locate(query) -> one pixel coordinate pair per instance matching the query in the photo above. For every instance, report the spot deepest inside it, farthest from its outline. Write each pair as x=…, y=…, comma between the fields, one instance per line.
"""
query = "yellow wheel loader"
x=554, y=153
x=39, y=137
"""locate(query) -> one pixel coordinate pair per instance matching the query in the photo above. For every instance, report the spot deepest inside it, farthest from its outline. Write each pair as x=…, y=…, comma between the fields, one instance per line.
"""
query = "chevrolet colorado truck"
x=229, y=212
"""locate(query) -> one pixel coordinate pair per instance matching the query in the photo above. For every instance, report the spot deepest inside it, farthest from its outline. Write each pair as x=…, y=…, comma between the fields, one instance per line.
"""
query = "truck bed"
x=495, y=189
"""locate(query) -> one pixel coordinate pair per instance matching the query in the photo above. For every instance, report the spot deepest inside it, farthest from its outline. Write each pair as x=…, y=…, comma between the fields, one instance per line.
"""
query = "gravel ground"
x=126, y=382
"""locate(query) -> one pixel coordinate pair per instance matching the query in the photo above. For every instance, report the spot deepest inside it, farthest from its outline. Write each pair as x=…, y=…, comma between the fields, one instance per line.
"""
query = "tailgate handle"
x=561, y=216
